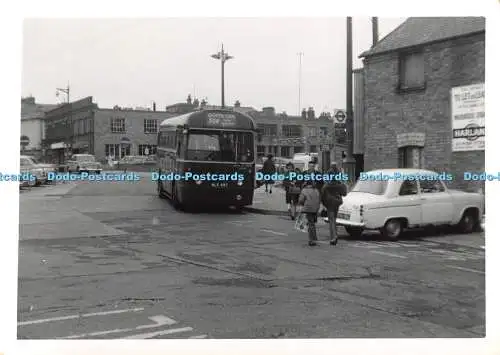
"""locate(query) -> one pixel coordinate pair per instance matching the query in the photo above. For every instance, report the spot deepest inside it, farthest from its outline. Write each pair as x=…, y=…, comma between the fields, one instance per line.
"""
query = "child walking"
x=310, y=200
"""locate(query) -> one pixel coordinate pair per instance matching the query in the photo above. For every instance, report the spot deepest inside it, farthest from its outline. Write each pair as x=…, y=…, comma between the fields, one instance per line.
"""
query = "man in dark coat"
x=331, y=197
x=268, y=169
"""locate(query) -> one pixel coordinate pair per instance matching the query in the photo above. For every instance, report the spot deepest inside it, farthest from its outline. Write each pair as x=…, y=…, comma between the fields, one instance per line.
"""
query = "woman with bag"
x=292, y=190
x=331, y=197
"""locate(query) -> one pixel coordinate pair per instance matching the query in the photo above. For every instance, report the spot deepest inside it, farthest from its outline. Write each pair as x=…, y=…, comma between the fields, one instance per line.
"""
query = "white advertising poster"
x=467, y=118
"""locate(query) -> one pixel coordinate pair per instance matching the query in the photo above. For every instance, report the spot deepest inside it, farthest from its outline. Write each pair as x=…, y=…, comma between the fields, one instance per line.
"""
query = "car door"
x=437, y=204
x=408, y=203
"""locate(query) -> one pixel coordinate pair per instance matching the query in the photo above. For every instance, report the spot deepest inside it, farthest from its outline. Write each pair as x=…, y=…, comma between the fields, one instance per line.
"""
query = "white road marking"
x=160, y=321
x=56, y=319
x=159, y=333
x=388, y=254
x=273, y=232
x=199, y=337
x=466, y=269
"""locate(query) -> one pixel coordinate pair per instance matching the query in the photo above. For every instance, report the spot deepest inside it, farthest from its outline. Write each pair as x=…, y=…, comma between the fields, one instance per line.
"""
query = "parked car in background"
x=29, y=166
x=395, y=204
x=84, y=163
x=46, y=168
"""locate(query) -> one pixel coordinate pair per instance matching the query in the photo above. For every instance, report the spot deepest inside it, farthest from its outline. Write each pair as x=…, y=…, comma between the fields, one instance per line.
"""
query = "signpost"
x=340, y=117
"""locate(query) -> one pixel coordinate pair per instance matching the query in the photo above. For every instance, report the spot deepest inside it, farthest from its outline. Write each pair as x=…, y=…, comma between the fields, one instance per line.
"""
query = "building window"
x=410, y=157
x=125, y=150
x=150, y=126
x=285, y=152
x=411, y=71
x=268, y=130
x=323, y=132
x=298, y=150
x=118, y=125
x=291, y=131
x=261, y=150
x=313, y=149
x=313, y=131
x=112, y=150
x=151, y=149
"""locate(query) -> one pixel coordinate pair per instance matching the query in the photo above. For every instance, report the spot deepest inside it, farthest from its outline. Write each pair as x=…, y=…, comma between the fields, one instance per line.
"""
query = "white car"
x=84, y=162
x=386, y=201
x=29, y=166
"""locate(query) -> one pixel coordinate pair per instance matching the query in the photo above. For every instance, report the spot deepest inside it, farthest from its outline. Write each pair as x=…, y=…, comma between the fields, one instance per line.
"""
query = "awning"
x=59, y=145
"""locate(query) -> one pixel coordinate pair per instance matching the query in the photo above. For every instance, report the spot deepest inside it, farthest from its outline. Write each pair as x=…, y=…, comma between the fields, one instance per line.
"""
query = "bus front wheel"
x=159, y=189
x=175, y=198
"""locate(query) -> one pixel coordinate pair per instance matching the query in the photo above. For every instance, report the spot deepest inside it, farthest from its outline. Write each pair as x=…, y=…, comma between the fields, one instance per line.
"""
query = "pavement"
x=111, y=260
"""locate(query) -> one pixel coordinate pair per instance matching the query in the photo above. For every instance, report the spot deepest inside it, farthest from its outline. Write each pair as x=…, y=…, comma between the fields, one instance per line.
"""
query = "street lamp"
x=223, y=57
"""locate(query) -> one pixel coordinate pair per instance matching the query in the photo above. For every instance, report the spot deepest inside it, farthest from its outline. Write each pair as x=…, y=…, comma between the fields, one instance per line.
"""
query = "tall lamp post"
x=223, y=57
x=66, y=91
x=349, y=163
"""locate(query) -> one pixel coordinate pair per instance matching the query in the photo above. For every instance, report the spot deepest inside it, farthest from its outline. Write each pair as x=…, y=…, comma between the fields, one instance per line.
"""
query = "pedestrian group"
x=304, y=198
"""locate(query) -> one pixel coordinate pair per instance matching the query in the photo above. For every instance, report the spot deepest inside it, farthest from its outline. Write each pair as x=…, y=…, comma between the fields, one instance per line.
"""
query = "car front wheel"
x=469, y=222
x=393, y=229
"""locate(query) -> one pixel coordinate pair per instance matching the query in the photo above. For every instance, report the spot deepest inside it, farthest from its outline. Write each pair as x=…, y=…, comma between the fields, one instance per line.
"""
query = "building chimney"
x=189, y=101
x=310, y=113
x=269, y=111
x=237, y=104
x=374, y=31
x=203, y=103
x=304, y=113
x=154, y=106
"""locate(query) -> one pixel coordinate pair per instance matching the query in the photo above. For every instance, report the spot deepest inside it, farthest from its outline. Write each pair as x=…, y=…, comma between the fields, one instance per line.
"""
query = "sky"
x=133, y=62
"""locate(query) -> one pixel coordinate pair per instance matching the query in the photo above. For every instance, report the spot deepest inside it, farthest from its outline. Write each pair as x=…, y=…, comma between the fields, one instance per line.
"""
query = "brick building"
x=408, y=80
x=83, y=127
x=283, y=135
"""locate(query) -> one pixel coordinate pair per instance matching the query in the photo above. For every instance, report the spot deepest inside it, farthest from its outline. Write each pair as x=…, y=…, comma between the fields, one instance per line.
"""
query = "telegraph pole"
x=223, y=57
x=66, y=91
x=349, y=163
x=300, y=54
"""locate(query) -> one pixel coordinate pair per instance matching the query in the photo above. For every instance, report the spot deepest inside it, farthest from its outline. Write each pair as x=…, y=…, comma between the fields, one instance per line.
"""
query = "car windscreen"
x=223, y=146
x=375, y=187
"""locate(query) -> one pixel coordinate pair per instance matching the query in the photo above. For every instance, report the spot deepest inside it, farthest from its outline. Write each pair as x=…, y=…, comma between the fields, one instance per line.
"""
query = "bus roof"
x=218, y=119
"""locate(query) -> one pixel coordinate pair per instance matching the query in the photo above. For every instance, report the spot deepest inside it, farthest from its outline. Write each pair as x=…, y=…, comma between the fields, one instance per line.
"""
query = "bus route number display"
x=221, y=120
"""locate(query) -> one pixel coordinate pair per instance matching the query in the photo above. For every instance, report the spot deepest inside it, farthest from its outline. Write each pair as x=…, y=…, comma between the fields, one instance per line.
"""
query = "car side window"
x=408, y=187
x=431, y=186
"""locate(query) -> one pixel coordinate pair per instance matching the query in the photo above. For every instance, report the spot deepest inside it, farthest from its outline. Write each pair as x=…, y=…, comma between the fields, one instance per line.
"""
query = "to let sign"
x=411, y=139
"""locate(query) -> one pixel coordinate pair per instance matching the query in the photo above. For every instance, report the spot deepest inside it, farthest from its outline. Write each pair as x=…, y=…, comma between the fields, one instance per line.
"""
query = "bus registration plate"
x=219, y=184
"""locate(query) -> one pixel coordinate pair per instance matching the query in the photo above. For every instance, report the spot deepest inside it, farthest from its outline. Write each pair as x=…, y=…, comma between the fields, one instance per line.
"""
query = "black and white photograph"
x=252, y=178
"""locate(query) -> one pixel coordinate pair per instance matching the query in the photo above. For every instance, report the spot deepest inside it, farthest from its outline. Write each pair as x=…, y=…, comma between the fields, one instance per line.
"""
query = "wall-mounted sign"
x=411, y=139
x=25, y=141
x=467, y=118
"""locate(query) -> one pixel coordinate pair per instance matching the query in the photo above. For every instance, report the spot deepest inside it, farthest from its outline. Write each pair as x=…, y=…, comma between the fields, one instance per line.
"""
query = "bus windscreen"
x=224, y=146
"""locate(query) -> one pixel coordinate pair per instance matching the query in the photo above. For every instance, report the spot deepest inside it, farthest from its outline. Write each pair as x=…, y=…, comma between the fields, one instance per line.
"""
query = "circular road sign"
x=340, y=116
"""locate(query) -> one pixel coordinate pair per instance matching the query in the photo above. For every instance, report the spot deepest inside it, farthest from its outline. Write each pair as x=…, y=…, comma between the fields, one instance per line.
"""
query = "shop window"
x=410, y=157
x=261, y=150
x=285, y=152
x=313, y=149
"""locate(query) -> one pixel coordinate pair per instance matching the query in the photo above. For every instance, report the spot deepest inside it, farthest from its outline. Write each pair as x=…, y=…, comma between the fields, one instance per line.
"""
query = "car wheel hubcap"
x=468, y=222
x=393, y=229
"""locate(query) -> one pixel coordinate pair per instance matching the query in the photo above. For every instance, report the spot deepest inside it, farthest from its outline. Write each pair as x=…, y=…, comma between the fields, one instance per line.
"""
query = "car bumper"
x=347, y=223
x=80, y=170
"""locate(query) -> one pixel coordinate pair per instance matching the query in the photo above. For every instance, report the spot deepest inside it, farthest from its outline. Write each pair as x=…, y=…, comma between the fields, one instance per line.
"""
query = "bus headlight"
x=198, y=182
x=239, y=183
